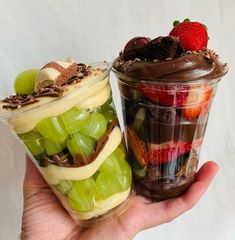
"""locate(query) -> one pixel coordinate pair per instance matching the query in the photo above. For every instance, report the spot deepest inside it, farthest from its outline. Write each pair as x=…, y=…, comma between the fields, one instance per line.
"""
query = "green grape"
x=112, y=162
x=53, y=129
x=82, y=196
x=126, y=176
x=53, y=148
x=25, y=81
x=106, y=104
x=74, y=118
x=80, y=144
x=65, y=186
x=108, y=113
x=96, y=174
x=108, y=184
x=117, y=167
x=33, y=142
x=95, y=126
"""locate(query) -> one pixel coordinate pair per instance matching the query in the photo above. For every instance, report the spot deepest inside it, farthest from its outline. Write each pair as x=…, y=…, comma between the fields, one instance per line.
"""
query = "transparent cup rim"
x=163, y=81
x=104, y=64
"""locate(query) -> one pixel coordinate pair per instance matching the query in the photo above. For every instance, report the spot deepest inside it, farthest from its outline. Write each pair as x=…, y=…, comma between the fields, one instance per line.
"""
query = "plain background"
x=33, y=33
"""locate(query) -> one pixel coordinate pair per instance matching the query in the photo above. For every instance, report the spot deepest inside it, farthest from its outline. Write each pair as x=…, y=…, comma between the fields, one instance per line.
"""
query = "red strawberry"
x=199, y=96
x=193, y=35
x=164, y=155
x=166, y=95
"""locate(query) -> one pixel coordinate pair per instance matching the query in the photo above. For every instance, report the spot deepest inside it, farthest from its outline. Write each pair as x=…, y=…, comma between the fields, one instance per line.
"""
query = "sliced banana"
x=54, y=73
x=97, y=100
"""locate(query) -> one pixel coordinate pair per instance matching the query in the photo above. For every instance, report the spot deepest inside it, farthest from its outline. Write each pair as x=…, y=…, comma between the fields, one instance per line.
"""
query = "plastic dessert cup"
x=164, y=141
x=76, y=143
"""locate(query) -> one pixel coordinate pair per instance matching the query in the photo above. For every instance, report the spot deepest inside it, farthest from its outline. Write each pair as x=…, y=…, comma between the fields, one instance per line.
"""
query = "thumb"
x=33, y=181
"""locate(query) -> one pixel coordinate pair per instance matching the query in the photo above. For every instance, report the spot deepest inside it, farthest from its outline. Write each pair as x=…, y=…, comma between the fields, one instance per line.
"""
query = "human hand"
x=45, y=218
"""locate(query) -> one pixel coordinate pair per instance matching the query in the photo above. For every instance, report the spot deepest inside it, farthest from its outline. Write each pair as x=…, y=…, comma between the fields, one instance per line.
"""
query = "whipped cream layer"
x=90, y=93
x=190, y=66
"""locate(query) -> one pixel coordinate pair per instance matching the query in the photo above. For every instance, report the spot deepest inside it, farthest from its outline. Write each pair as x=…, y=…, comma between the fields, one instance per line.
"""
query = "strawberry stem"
x=186, y=20
x=176, y=22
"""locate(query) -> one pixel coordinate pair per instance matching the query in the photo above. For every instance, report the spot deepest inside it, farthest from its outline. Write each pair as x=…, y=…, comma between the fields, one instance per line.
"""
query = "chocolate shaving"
x=66, y=74
x=66, y=160
x=18, y=101
x=53, y=91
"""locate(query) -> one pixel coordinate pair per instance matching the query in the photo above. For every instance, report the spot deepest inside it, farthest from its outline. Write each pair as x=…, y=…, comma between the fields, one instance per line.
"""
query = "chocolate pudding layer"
x=161, y=191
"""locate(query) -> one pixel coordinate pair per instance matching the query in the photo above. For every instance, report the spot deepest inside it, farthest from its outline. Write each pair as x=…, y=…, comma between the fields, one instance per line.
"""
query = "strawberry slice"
x=137, y=146
x=199, y=97
x=163, y=153
x=166, y=95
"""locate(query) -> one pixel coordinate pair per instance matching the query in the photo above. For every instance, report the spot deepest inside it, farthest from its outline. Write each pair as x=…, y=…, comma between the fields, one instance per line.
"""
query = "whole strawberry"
x=193, y=35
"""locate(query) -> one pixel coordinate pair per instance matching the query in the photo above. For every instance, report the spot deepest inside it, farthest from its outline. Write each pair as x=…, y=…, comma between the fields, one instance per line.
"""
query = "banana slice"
x=55, y=73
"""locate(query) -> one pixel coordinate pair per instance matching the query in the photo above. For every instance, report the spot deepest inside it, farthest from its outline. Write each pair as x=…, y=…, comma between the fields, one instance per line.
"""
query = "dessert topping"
x=18, y=101
x=49, y=81
x=158, y=49
x=55, y=74
x=192, y=35
x=135, y=48
x=164, y=48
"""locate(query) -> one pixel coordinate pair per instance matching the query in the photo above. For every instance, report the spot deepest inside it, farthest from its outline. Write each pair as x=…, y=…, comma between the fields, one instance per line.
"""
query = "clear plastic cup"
x=76, y=143
x=164, y=139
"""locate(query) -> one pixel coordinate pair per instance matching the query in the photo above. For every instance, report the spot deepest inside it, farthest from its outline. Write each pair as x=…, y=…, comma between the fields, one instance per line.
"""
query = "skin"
x=45, y=218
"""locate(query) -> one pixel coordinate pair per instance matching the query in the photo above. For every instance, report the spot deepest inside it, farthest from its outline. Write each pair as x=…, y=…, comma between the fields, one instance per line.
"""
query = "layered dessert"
x=167, y=85
x=64, y=116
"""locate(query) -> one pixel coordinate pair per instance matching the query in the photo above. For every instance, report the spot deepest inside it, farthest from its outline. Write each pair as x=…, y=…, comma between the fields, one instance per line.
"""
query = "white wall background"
x=35, y=32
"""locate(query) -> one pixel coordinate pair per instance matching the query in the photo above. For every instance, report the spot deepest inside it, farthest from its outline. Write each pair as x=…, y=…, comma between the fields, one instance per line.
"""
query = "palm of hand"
x=45, y=218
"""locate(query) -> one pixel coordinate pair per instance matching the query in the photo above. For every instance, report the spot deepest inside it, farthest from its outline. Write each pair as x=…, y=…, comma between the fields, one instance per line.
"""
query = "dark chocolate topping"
x=165, y=59
x=135, y=48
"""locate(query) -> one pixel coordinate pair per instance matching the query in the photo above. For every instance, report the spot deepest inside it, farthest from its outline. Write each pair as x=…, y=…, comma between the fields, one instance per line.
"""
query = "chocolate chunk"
x=163, y=115
x=163, y=48
x=135, y=48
